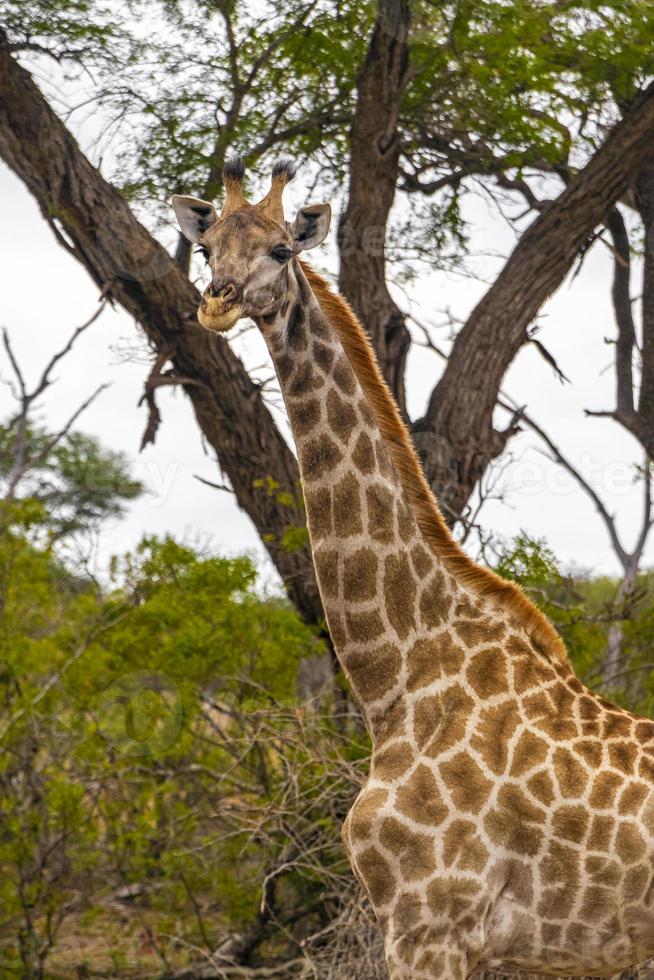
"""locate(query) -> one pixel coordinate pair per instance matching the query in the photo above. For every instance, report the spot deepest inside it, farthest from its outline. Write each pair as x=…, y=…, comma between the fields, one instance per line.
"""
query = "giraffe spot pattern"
x=430, y=659
x=360, y=575
x=319, y=512
x=487, y=672
x=399, y=594
x=304, y=415
x=318, y=456
x=380, y=513
x=505, y=765
x=363, y=456
x=375, y=672
x=435, y=603
x=343, y=375
x=414, y=850
x=340, y=416
x=463, y=848
x=468, y=786
x=492, y=735
x=323, y=357
x=348, y=518
x=419, y=798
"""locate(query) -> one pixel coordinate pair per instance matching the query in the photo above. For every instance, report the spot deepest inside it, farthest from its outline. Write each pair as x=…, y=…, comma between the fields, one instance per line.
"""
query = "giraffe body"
x=508, y=818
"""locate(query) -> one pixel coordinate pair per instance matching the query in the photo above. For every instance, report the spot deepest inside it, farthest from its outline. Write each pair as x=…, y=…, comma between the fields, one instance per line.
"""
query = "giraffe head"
x=248, y=247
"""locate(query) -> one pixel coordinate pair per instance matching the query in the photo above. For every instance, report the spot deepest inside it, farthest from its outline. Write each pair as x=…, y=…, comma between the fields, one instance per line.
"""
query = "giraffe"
x=507, y=821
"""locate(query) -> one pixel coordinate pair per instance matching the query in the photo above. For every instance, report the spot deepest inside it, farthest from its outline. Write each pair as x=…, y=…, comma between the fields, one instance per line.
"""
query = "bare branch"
x=609, y=521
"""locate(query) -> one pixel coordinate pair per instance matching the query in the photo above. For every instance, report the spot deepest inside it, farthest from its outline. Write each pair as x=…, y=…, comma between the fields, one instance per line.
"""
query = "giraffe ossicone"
x=508, y=817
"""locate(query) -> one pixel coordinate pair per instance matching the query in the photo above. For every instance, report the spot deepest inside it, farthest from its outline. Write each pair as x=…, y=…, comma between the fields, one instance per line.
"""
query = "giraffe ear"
x=193, y=215
x=311, y=226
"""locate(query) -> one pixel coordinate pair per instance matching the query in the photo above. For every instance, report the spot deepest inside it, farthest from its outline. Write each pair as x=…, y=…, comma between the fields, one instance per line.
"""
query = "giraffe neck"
x=379, y=581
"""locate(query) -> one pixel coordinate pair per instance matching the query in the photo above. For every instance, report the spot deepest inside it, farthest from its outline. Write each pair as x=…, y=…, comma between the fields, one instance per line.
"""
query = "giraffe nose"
x=225, y=289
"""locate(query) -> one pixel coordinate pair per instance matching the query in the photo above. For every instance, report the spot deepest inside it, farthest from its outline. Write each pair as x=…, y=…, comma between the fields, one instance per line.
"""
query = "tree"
x=456, y=437
x=81, y=483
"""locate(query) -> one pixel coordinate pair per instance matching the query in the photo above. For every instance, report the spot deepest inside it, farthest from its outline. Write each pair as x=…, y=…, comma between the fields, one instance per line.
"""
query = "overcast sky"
x=45, y=294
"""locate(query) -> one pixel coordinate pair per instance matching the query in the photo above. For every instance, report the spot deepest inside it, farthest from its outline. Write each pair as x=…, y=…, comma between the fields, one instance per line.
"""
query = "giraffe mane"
x=482, y=581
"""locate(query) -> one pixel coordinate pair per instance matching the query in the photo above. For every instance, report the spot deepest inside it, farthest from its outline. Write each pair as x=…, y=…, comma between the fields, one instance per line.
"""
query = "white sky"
x=541, y=500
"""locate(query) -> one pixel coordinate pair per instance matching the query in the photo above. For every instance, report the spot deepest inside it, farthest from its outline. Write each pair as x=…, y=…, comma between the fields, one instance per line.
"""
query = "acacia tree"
x=438, y=97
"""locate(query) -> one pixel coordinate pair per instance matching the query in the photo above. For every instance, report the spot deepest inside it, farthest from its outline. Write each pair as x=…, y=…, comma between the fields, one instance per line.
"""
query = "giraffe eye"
x=281, y=253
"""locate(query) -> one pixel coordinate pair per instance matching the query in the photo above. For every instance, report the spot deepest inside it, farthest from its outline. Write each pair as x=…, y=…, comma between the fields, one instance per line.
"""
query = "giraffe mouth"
x=216, y=315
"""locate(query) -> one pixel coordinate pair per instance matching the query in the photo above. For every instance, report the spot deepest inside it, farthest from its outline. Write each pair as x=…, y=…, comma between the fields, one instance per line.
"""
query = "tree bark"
x=100, y=231
x=374, y=158
x=456, y=438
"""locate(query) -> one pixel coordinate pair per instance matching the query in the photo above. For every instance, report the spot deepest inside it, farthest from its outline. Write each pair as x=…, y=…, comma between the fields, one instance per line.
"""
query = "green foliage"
x=511, y=86
x=80, y=482
x=146, y=737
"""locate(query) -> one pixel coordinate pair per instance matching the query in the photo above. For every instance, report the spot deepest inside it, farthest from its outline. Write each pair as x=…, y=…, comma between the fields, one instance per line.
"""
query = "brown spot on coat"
x=645, y=731
x=414, y=850
x=363, y=456
x=318, y=323
x=377, y=876
x=616, y=725
x=347, y=507
x=318, y=456
x=590, y=751
x=468, y=786
x=344, y=377
x=601, y=833
x=284, y=366
x=305, y=381
x=375, y=671
x=400, y=594
x=340, y=416
x=462, y=846
x=419, y=798
x=528, y=753
x=433, y=658
x=514, y=823
x=529, y=672
x=383, y=459
x=452, y=897
x=323, y=356
x=296, y=334
x=392, y=761
x=406, y=524
x=629, y=843
x=571, y=822
x=364, y=814
x=435, y=601
x=326, y=562
x=421, y=559
x=319, y=512
x=589, y=709
x=304, y=415
x=541, y=786
x=380, y=513
x=360, y=575
x=486, y=672
x=364, y=626
x=494, y=729
x=475, y=632
x=605, y=790
x=623, y=756
x=571, y=776
x=632, y=798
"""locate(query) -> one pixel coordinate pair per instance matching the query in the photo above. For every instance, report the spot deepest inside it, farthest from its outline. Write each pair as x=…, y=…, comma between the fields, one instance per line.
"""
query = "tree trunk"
x=456, y=438
x=374, y=158
x=613, y=663
x=121, y=256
